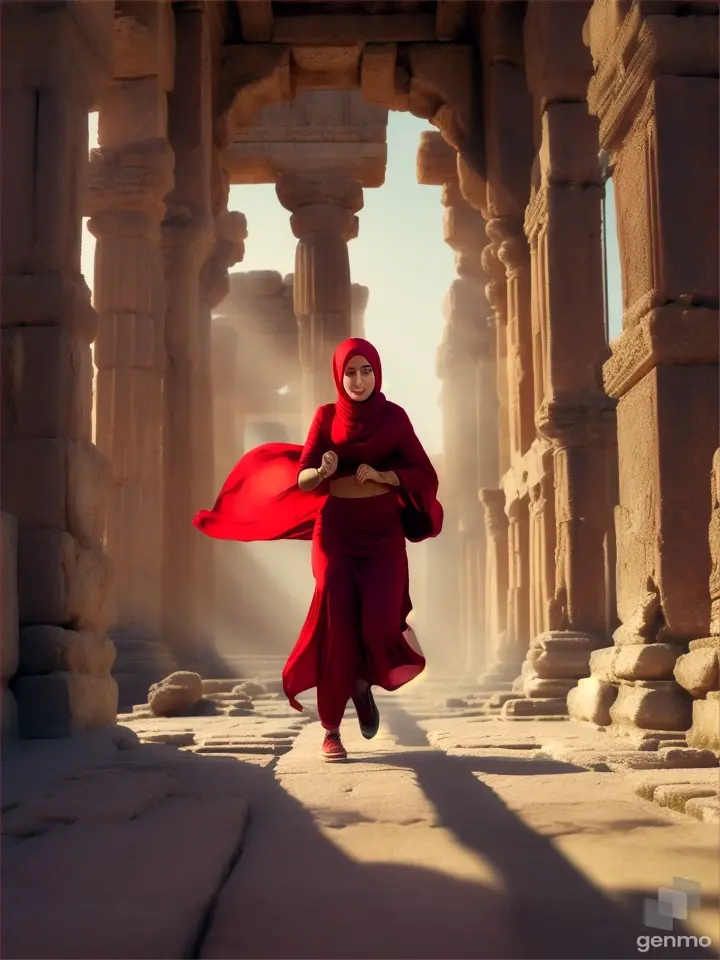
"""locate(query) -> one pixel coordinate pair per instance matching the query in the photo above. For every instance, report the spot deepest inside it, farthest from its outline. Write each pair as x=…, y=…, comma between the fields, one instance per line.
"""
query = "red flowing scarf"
x=261, y=500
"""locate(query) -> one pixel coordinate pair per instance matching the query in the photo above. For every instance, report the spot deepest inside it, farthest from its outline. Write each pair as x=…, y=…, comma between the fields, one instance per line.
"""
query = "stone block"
x=546, y=706
x=248, y=285
x=591, y=700
x=663, y=517
x=569, y=664
x=698, y=671
x=650, y=661
x=176, y=694
x=8, y=585
x=47, y=301
x=62, y=583
x=540, y=687
x=676, y=795
x=659, y=705
x=568, y=153
x=49, y=649
x=706, y=809
x=601, y=664
x=46, y=384
x=132, y=111
x=705, y=730
x=56, y=483
x=60, y=704
x=687, y=758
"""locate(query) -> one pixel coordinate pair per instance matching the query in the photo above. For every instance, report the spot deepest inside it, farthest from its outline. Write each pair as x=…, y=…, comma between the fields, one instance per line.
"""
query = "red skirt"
x=358, y=615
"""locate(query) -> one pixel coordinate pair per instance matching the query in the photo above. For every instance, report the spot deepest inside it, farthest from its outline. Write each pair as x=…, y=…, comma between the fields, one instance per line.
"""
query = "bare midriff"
x=350, y=489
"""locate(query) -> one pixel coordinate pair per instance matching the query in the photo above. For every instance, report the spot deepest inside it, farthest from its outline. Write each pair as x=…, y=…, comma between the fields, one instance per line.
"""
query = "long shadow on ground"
x=556, y=911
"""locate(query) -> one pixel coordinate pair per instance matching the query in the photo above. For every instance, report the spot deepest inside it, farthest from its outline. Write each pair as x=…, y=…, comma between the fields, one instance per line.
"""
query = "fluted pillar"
x=513, y=253
x=228, y=249
x=654, y=91
x=129, y=180
x=501, y=668
x=187, y=237
x=323, y=220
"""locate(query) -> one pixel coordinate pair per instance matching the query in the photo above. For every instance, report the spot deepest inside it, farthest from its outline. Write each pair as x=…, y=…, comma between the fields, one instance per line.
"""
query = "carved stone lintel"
x=629, y=54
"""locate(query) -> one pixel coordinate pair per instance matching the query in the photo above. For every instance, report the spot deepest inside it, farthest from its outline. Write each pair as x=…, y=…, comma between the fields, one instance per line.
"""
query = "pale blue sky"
x=400, y=255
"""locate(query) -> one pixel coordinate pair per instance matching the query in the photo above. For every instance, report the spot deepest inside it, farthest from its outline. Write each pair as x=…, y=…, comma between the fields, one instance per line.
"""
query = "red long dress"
x=358, y=615
x=359, y=610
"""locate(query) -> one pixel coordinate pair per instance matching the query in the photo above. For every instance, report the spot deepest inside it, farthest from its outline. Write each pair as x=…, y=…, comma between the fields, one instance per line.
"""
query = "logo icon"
x=672, y=903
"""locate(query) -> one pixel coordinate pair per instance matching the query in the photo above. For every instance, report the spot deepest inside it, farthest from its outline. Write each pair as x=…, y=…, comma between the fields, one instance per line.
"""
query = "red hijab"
x=358, y=418
x=260, y=500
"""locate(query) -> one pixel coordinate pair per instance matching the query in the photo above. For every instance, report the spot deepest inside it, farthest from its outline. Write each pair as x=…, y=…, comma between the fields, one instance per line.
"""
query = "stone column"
x=513, y=252
x=323, y=220
x=359, y=296
x=518, y=596
x=130, y=175
x=469, y=361
x=54, y=480
x=228, y=249
x=187, y=237
x=655, y=90
x=573, y=413
x=500, y=671
x=467, y=366
x=698, y=671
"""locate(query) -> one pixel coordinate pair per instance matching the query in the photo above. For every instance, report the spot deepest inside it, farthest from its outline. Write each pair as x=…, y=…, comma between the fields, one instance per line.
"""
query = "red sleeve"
x=315, y=444
x=415, y=471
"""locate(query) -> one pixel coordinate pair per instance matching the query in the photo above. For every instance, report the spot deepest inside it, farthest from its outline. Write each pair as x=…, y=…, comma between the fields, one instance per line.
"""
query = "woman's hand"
x=365, y=473
x=329, y=464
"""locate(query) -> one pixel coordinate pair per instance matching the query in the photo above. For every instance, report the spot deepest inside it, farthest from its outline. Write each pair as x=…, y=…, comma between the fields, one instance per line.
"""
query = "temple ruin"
x=581, y=478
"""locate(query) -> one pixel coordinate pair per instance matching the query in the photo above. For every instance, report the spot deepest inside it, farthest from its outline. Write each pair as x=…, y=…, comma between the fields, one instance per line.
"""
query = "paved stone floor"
x=451, y=835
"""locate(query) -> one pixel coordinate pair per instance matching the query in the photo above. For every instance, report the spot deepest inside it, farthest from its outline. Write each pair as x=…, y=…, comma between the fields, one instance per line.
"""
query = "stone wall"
x=9, y=652
x=56, y=59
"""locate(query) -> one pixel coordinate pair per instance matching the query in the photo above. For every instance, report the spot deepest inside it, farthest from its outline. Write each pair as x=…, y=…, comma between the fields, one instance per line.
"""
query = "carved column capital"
x=496, y=521
x=127, y=188
x=582, y=420
x=496, y=287
x=229, y=249
x=321, y=205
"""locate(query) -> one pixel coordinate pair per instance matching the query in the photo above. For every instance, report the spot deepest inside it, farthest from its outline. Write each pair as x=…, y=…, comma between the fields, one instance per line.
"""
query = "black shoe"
x=367, y=713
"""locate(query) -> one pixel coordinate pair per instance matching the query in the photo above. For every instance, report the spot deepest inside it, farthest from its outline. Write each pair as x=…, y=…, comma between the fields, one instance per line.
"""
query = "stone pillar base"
x=698, y=672
x=590, y=701
x=555, y=662
x=650, y=709
x=705, y=730
x=60, y=704
x=63, y=685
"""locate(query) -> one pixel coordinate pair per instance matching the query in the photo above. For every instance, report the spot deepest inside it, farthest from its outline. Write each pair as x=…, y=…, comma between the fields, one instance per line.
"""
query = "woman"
x=360, y=486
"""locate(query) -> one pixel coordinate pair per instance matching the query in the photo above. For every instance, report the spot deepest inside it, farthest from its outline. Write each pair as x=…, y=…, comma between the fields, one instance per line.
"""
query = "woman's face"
x=358, y=379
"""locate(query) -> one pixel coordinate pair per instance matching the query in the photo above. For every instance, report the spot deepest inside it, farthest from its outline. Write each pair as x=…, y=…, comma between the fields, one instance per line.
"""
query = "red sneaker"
x=368, y=713
x=332, y=748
